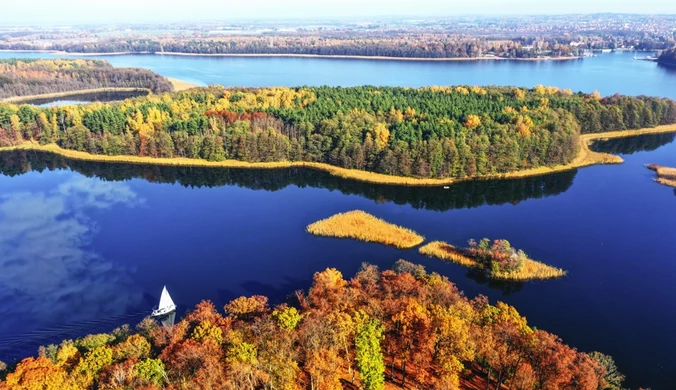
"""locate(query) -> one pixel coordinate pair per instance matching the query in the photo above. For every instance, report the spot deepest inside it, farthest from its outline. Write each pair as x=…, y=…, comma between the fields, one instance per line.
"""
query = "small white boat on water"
x=166, y=304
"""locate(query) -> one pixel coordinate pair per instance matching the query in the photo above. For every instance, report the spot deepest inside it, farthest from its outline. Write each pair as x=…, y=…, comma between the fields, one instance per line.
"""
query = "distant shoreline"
x=282, y=55
x=356, y=57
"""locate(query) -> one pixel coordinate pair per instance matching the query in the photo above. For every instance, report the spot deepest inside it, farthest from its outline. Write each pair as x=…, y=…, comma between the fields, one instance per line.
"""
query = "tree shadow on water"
x=507, y=288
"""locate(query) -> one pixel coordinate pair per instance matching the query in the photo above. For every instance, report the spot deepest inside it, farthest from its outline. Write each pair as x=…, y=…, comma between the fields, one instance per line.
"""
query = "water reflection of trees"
x=632, y=145
x=507, y=287
x=461, y=195
x=90, y=97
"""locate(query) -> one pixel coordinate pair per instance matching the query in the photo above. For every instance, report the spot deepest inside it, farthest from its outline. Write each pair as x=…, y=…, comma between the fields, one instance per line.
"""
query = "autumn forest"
x=26, y=77
x=431, y=132
x=402, y=327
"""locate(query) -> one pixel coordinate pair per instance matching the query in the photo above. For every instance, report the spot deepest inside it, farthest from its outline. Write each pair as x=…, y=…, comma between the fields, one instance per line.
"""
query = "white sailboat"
x=166, y=304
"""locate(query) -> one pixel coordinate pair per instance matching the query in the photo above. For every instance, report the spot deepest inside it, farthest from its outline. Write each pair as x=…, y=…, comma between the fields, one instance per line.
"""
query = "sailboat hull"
x=163, y=311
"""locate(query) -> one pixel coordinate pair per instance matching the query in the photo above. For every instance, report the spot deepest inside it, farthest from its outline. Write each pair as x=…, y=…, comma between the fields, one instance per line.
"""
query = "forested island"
x=402, y=327
x=366, y=133
x=33, y=77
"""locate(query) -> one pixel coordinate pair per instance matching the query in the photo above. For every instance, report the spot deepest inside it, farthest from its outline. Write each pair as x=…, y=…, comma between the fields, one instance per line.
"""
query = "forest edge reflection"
x=461, y=195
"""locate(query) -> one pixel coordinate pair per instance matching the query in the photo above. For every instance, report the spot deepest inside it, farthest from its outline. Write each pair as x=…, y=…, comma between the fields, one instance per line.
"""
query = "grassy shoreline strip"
x=180, y=85
x=532, y=270
x=362, y=226
x=665, y=175
x=585, y=158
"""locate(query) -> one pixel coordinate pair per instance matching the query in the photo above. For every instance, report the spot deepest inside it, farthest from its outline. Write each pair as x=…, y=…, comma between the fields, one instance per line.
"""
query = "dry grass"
x=665, y=175
x=585, y=158
x=180, y=85
x=362, y=226
x=447, y=252
x=19, y=99
x=532, y=270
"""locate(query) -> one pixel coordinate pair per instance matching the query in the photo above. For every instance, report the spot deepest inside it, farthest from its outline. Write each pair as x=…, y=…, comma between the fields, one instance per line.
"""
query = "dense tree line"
x=403, y=326
x=25, y=77
x=412, y=46
x=426, y=132
x=668, y=57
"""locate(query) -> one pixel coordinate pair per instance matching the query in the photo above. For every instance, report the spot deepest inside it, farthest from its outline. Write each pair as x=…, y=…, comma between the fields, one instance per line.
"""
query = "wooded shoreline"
x=585, y=158
x=178, y=85
x=289, y=55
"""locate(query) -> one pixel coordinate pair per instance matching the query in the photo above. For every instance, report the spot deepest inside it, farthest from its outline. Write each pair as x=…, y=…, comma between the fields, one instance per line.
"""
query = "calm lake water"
x=607, y=73
x=84, y=98
x=85, y=247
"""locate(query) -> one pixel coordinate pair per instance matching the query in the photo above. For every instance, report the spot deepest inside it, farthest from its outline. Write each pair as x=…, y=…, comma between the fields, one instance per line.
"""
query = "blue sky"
x=70, y=11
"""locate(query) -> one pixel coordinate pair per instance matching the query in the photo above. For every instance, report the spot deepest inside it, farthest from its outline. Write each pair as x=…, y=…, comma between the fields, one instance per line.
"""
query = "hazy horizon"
x=154, y=11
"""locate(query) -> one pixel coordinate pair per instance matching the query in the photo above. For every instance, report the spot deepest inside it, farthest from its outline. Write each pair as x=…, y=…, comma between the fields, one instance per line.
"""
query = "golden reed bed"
x=585, y=158
x=362, y=226
x=665, y=175
x=532, y=270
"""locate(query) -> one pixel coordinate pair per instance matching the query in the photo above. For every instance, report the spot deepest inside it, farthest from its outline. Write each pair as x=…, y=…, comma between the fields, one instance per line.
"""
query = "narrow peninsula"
x=28, y=79
x=429, y=136
x=362, y=226
x=665, y=175
x=498, y=259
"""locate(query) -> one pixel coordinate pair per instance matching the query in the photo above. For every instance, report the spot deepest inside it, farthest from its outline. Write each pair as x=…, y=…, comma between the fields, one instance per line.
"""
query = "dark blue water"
x=607, y=73
x=82, y=253
x=88, y=247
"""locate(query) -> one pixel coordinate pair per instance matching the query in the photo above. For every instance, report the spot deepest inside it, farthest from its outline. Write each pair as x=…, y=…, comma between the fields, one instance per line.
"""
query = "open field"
x=362, y=226
x=532, y=270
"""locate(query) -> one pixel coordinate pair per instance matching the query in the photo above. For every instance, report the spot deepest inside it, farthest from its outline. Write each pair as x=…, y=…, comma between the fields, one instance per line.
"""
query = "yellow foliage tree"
x=479, y=90
x=524, y=125
x=462, y=90
x=207, y=331
x=396, y=115
x=540, y=90
x=381, y=135
x=136, y=346
x=39, y=374
x=472, y=121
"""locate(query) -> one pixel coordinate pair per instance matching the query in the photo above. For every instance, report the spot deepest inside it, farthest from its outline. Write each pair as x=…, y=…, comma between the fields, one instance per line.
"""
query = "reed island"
x=665, y=175
x=363, y=226
x=497, y=258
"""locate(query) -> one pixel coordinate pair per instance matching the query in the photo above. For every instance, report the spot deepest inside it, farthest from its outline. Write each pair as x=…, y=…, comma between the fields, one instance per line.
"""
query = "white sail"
x=166, y=304
x=165, y=300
